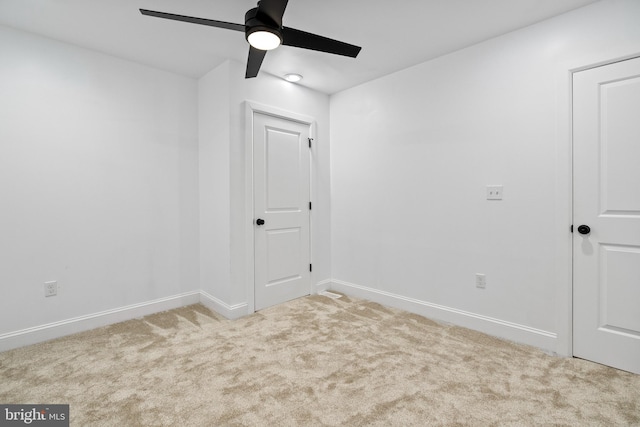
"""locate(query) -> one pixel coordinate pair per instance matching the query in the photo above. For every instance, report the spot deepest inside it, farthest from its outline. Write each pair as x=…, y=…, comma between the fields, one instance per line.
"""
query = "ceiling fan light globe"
x=264, y=40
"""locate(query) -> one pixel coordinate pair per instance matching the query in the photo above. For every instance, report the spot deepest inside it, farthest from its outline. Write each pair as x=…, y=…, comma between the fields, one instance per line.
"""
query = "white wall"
x=214, y=182
x=107, y=166
x=411, y=154
x=98, y=182
x=102, y=186
x=223, y=93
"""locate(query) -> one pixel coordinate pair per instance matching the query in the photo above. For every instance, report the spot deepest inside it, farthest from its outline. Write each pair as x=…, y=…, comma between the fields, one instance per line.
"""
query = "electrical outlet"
x=50, y=289
x=494, y=192
x=481, y=281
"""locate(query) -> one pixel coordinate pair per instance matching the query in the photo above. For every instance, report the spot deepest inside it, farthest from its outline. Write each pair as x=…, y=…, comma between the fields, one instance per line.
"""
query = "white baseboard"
x=322, y=286
x=500, y=328
x=96, y=320
x=229, y=311
x=496, y=327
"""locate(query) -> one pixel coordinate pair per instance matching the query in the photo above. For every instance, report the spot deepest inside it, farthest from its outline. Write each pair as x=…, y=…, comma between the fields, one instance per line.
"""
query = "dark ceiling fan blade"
x=193, y=20
x=254, y=62
x=298, y=38
x=274, y=9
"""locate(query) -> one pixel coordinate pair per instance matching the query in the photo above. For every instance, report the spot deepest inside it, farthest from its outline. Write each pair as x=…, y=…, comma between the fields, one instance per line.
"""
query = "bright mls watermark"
x=34, y=415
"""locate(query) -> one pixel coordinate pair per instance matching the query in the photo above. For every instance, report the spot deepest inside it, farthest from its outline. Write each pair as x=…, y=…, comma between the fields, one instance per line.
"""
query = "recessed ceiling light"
x=292, y=77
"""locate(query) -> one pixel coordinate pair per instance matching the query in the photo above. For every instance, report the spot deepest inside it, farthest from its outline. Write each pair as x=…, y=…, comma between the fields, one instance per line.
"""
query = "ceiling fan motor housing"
x=255, y=21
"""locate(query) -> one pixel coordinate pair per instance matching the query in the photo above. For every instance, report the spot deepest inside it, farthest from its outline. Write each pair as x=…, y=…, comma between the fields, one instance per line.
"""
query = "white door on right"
x=606, y=203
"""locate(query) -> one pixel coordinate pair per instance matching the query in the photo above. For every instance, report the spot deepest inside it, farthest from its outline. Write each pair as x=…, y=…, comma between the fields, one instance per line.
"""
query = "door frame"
x=251, y=108
x=565, y=346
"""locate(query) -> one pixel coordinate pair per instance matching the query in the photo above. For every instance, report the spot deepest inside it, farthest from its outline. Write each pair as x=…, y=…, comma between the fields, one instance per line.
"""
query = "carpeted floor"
x=313, y=361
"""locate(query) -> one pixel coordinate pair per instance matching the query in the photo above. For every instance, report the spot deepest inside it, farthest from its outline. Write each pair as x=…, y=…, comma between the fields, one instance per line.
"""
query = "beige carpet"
x=312, y=361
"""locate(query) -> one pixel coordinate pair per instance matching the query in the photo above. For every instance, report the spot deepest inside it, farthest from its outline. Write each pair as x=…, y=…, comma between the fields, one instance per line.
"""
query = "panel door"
x=281, y=203
x=606, y=301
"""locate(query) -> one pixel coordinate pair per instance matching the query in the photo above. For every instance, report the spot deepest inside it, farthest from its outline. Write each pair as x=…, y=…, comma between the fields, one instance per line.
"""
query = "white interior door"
x=606, y=145
x=281, y=205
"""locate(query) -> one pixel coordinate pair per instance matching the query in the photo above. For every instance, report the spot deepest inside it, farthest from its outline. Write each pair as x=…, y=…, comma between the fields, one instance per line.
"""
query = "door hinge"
x=310, y=267
x=572, y=228
x=310, y=141
x=309, y=205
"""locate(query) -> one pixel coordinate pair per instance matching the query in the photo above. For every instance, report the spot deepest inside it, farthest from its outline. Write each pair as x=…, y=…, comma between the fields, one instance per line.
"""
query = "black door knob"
x=584, y=229
x=260, y=221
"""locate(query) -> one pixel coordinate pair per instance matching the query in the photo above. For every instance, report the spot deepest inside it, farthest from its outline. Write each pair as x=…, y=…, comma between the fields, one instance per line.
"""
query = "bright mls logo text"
x=41, y=415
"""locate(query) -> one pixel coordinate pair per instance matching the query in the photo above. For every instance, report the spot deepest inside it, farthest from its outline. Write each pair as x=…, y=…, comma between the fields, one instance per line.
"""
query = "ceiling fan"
x=264, y=31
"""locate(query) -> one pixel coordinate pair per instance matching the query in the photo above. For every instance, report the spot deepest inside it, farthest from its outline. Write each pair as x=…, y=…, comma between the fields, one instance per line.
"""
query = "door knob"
x=584, y=229
x=260, y=221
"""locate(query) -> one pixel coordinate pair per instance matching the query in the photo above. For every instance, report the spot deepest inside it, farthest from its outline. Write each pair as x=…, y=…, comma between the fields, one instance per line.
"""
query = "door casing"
x=567, y=320
x=251, y=108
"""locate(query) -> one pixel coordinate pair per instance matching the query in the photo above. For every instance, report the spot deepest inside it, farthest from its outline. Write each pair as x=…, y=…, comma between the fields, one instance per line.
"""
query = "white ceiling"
x=393, y=34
